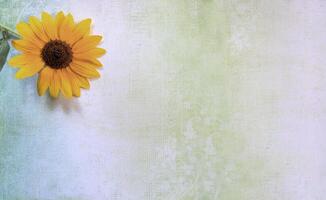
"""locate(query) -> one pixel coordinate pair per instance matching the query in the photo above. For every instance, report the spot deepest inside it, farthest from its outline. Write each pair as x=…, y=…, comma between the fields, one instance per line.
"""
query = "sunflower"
x=63, y=53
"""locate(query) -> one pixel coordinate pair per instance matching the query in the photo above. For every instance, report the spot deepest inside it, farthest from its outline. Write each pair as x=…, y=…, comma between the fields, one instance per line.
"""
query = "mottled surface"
x=198, y=99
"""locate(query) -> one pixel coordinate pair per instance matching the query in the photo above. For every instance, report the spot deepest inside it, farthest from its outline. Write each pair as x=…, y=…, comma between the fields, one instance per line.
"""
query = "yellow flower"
x=60, y=51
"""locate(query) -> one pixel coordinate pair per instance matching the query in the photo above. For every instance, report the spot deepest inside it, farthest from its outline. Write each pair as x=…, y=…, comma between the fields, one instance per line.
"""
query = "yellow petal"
x=65, y=84
x=86, y=71
x=44, y=80
x=55, y=84
x=27, y=33
x=89, y=61
x=22, y=60
x=28, y=71
x=59, y=18
x=88, y=64
x=49, y=26
x=25, y=30
x=96, y=52
x=26, y=46
x=37, y=28
x=82, y=29
x=81, y=81
x=73, y=82
x=65, y=32
x=17, y=61
x=87, y=43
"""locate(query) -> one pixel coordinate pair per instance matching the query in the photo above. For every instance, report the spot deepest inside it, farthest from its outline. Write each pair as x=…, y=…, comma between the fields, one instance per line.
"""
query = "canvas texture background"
x=198, y=99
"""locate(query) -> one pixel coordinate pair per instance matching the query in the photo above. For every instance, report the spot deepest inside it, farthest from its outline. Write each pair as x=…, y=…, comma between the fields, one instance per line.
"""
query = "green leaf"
x=8, y=33
x=4, y=50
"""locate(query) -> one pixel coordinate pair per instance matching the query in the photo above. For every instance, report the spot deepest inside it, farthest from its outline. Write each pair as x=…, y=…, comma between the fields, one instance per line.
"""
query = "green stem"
x=12, y=33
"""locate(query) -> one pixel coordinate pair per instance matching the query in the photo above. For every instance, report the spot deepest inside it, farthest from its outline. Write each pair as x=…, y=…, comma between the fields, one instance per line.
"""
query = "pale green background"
x=199, y=99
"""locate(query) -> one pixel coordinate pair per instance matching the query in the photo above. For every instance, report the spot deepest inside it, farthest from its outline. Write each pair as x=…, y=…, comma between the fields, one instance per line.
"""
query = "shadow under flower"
x=67, y=105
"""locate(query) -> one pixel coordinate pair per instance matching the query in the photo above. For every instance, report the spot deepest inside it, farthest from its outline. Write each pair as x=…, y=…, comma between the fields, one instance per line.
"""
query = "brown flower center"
x=56, y=54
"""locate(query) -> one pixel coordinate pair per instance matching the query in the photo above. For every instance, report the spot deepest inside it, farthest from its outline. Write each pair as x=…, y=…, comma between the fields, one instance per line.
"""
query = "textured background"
x=199, y=99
